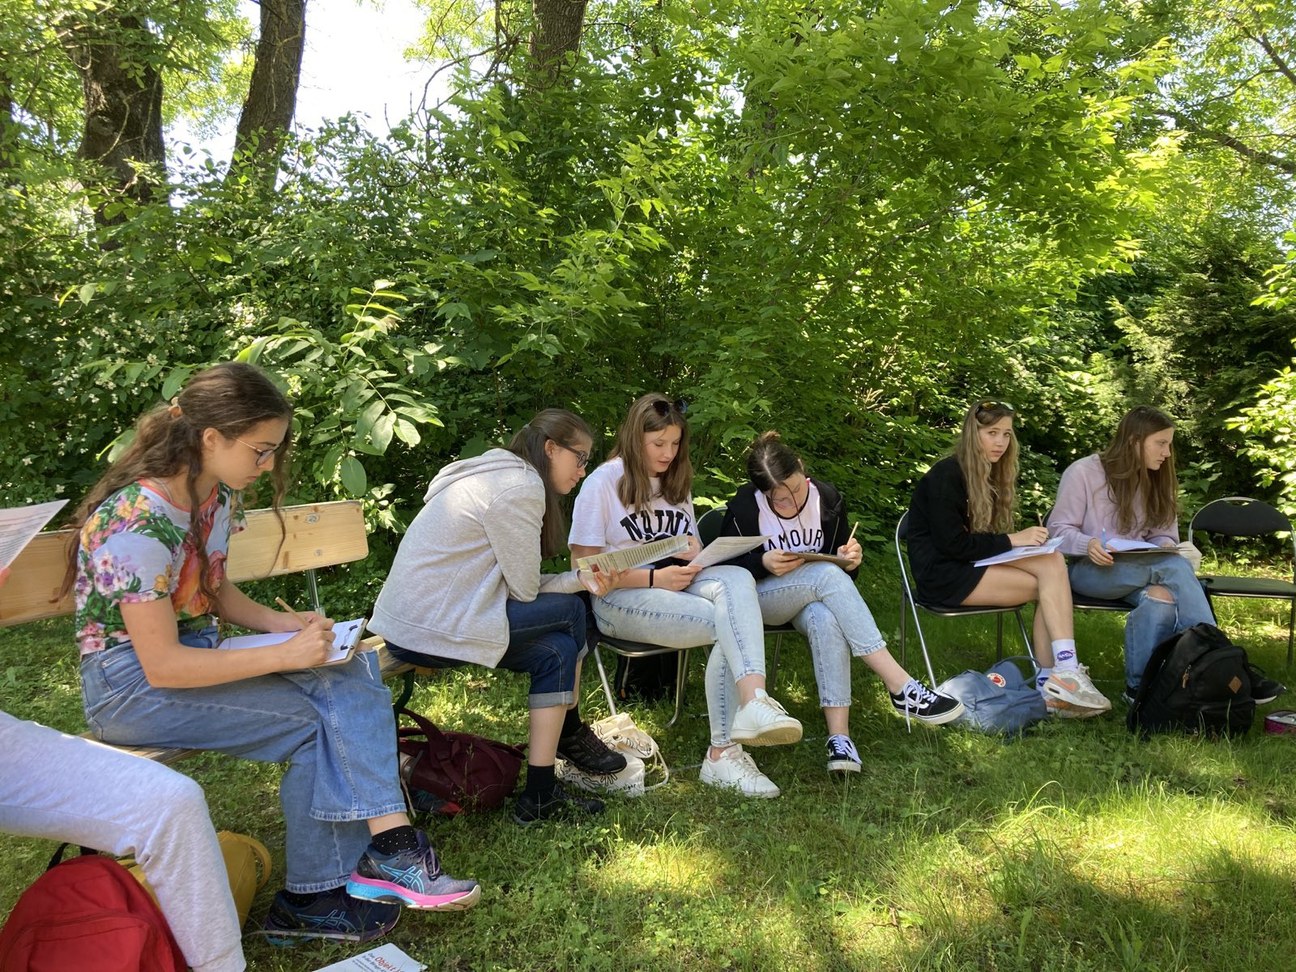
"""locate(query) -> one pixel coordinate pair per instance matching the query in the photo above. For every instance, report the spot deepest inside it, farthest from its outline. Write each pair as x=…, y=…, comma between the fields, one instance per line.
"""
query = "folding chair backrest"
x=1240, y=516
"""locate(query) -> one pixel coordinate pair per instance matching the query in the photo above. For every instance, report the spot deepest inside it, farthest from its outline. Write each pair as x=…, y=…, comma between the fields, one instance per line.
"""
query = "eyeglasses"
x=664, y=408
x=262, y=455
x=582, y=458
x=990, y=406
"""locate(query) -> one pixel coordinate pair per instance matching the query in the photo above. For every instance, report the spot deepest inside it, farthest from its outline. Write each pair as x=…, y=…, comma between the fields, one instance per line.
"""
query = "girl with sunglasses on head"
x=150, y=582
x=963, y=510
x=820, y=599
x=466, y=587
x=641, y=494
x=1129, y=491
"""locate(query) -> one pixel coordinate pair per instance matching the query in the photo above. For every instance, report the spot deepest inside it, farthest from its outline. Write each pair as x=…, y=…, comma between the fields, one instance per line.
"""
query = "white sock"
x=1042, y=676
x=1064, y=655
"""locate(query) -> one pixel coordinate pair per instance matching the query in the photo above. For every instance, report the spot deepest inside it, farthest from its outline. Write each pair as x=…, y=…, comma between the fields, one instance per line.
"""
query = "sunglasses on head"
x=991, y=406
x=664, y=408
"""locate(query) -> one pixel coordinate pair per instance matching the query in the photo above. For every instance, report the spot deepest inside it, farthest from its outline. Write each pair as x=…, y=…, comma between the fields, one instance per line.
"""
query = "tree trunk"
x=272, y=96
x=118, y=60
x=557, y=32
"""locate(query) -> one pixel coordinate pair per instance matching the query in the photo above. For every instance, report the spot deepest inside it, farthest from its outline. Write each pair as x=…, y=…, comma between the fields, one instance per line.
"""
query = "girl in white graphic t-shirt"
x=643, y=494
x=803, y=516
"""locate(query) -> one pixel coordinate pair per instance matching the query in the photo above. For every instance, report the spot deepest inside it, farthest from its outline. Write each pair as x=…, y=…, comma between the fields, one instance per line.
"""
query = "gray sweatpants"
x=71, y=789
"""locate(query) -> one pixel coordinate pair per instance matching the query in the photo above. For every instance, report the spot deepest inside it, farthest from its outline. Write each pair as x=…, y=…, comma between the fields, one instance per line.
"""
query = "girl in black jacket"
x=803, y=517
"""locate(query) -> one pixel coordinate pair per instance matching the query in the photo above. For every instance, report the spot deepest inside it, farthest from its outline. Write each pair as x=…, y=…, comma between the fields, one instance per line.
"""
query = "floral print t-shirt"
x=136, y=547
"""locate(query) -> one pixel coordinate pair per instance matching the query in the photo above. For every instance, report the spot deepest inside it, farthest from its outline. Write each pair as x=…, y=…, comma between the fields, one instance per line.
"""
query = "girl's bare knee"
x=1158, y=593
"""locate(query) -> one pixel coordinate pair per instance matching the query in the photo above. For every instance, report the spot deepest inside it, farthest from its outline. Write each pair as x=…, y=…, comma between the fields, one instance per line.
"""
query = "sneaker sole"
x=388, y=893
x=933, y=720
x=776, y=735
x=1101, y=703
x=737, y=788
x=843, y=766
x=1068, y=710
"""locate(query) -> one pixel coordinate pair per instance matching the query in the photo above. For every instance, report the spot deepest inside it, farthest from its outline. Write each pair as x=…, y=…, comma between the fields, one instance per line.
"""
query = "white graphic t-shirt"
x=799, y=534
x=600, y=519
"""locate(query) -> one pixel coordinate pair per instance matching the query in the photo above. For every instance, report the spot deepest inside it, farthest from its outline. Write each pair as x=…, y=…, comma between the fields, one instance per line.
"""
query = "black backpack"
x=1195, y=682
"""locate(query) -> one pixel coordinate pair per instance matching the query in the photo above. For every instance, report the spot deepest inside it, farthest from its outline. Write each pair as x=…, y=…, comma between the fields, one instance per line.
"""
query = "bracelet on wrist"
x=651, y=571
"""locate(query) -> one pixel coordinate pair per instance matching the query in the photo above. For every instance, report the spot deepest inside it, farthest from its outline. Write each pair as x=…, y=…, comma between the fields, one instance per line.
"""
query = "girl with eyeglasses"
x=150, y=582
x=641, y=494
x=466, y=587
x=1129, y=492
x=963, y=510
x=820, y=599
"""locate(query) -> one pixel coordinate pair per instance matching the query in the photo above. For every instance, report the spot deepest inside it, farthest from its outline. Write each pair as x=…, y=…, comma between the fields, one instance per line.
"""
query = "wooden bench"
x=315, y=535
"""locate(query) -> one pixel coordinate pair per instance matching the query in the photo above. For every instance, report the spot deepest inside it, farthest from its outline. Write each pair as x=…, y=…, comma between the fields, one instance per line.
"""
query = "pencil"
x=852, y=533
x=297, y=617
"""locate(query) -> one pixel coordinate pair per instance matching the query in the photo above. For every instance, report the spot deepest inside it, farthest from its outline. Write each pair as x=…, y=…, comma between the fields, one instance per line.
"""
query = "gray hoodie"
x=473, y=546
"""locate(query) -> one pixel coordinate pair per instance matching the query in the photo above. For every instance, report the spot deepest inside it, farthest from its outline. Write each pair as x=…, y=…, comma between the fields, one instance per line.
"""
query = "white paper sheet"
x=19, y=524
x=346, y=635
x=1020, y=553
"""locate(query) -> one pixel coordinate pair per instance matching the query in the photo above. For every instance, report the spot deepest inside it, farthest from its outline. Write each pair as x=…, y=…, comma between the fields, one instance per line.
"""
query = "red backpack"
x=87, y=914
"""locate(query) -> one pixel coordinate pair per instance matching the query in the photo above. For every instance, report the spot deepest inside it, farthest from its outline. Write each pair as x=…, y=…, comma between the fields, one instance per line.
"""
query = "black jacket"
x=941, y=544
x=742, y=519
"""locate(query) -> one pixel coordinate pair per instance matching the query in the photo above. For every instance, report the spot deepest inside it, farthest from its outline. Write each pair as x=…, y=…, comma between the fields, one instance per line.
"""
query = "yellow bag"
x=247, y=862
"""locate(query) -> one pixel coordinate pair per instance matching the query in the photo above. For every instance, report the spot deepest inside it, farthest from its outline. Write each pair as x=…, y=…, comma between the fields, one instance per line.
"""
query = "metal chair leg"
x=607, y=687
x=681, y=676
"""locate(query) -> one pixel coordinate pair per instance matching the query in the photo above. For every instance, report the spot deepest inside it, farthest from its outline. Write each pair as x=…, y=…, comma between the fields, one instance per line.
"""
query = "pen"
x=296, y=617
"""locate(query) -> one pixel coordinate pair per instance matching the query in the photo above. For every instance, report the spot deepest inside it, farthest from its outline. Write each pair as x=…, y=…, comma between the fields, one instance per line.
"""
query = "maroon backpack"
x=460, y=770
x=87, y=914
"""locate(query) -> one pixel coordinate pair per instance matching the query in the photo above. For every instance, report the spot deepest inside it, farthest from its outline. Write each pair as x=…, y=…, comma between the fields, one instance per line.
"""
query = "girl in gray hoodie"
x=466, y=587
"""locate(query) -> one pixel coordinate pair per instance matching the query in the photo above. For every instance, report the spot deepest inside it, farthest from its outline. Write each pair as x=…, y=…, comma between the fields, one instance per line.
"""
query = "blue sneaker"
x=413, y=878
x=334, y=915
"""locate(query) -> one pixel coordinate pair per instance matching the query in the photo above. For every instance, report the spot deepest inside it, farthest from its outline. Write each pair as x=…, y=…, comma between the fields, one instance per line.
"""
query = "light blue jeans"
x=823, y=603
x=720, y=607
x=1151, y=621
x=332, y=725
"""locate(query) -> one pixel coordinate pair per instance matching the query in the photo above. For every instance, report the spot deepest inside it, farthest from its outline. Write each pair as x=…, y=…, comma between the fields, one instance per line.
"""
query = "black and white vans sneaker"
x=917, y=701
x=843, y=757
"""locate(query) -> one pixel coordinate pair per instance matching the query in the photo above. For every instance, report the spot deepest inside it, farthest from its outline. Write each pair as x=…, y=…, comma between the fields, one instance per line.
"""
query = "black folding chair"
x=1240, y=516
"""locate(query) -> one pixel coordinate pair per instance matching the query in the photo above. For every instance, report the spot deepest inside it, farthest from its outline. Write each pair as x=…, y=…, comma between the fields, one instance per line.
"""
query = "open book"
x=1020, y=553
x=725, y=548
x=1121, y=545
x=346, y=636
x=627, y=558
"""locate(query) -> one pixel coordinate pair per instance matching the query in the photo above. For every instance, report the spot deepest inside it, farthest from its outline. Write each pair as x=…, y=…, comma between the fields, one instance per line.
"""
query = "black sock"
x=571, y=722
x=540, y=782
x=394, y=840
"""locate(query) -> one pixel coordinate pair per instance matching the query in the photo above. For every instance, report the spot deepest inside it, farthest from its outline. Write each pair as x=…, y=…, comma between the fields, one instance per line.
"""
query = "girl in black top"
x=962, y=511
x=819, y=598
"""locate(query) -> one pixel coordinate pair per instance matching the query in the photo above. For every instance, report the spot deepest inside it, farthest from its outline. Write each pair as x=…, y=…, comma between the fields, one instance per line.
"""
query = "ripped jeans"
x=1151, y=621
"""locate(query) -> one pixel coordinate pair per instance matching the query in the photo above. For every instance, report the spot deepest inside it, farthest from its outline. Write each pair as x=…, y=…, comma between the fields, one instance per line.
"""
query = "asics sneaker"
x=333, y=915
x=411, y=877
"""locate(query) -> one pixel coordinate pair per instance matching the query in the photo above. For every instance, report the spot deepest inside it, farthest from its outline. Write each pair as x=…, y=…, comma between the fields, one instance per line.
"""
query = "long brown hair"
x=230, y=398
x=652, y=413
x=1128, y=476
x=991, y=487
x=567, y=429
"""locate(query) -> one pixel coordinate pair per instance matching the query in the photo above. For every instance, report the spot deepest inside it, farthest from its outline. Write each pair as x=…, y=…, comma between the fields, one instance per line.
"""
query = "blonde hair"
x=652, y=413
x=1128, y=476
x=991, y=487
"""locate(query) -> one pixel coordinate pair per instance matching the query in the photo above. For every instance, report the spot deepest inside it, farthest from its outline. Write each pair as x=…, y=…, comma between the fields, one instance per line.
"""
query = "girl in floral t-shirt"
x=149, y=577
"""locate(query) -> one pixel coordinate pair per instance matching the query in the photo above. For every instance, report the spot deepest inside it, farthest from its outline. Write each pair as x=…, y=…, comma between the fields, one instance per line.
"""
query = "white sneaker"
x=1073, y=687
x=735, y=770
x=763, y=722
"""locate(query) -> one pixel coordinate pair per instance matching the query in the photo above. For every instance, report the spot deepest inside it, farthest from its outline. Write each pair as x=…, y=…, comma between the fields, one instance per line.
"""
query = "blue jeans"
x=546, y=641
x=823, y=603
x=1151, y=621
x=332, y=725
x=720, y=607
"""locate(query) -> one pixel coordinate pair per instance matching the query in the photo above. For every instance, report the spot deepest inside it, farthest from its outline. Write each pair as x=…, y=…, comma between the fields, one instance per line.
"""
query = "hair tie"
x=174, y=411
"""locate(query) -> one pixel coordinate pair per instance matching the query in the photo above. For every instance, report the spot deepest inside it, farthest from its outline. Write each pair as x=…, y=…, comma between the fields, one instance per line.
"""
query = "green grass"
x=1076, y=847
